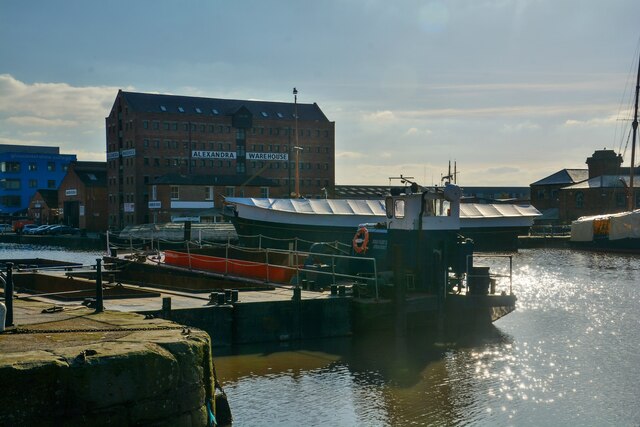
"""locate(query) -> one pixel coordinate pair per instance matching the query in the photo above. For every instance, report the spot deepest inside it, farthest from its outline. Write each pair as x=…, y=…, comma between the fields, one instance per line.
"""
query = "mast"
x=633, y=142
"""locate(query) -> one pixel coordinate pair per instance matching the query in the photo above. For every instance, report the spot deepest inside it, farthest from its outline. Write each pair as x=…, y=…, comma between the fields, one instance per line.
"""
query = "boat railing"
x=491, y=276
x=295, y=264
x=153, y=240
x=294, y=243
x=357, y=277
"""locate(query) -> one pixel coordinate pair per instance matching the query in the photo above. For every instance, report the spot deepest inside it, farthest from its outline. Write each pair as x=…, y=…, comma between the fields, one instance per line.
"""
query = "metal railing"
x=491, y=275
x=332, y=260
x=6, y=277
x=550, y=230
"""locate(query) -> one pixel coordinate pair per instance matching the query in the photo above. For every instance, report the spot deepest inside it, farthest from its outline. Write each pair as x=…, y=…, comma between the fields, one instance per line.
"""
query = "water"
x=16, y=251
x=568, y=356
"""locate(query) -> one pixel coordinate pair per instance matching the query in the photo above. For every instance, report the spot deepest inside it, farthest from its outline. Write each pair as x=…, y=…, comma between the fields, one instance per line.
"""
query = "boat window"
x=429, y=207
x=443, y=208
x=399, y=208
x=388, y=206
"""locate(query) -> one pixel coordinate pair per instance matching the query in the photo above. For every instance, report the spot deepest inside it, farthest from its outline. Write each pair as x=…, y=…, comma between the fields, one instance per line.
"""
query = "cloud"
x=503, y=170
x=30, y=121
x=349, y=155
x=55, y=100
x=380, y=116
x=549, y=110
x=590, y=123
x=55, y=114
x=519, y=127
x=417, y=132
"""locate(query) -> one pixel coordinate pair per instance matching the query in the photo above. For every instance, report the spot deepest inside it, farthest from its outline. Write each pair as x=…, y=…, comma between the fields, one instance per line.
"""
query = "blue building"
x=26, y=169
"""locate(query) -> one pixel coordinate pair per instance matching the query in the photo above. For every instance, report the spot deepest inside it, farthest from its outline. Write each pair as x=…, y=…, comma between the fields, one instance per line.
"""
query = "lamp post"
x=297, y=148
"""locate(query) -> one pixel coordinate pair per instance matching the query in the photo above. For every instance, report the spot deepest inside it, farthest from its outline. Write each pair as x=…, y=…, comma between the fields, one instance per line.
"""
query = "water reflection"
x=372, y=380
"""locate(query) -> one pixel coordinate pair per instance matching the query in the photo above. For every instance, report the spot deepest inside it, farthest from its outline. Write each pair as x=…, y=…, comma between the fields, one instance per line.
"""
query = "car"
x=27, y=227
x=6, y=228
x=42, y=229
x=35, y=230
x=59, y=230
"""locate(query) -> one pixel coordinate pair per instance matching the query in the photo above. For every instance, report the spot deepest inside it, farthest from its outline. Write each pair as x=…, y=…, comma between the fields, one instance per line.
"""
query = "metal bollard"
x=8, y=295
x=99, y=295
x=227, y=295
x=342, y=290
x=334, y=290
x=221, y=298
x=297, y=293
x=234, y=295
x=166, y=307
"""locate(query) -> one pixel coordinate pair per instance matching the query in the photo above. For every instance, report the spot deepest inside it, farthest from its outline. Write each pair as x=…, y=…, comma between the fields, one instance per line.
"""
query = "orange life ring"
x=361, y=240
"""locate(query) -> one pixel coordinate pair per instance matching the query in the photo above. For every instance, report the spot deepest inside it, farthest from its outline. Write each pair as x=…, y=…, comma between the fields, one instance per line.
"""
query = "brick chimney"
x=604, y=162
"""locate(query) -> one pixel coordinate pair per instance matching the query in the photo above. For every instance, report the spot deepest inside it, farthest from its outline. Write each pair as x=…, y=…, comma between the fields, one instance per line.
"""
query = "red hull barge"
x=231, y=266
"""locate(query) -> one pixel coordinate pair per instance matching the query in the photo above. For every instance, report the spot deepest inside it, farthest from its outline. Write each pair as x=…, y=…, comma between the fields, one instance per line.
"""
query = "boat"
x=492, y=227
x=410, y=266
x=616, y=232
x=424, y=271
x=271, y=266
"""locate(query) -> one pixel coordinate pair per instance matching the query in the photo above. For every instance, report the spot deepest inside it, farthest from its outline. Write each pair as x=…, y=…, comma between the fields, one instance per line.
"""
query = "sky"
x=510, y=91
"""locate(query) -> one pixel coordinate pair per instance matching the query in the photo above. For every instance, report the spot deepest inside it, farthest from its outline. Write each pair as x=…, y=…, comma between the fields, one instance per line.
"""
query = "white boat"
x=618, y=232
x=490, y=226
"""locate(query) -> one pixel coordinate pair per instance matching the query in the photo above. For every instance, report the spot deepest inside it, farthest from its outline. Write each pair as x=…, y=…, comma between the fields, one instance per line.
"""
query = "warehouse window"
x=208, y=193
x=175, y=192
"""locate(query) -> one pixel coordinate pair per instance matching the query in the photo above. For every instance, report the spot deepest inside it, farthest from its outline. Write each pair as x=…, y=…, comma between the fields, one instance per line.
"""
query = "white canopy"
x=376, y=207
x=620, y=226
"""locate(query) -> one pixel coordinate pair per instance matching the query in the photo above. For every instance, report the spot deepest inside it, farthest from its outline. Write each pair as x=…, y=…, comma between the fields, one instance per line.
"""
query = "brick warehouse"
x=250, y=143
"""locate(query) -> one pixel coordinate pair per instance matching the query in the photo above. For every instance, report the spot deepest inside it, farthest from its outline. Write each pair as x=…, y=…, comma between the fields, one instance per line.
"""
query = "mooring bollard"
x=297, y=293
x=8, y=295
x=334, y=290
x=3, y=315
x=221, y=298
x=227, y=295
x=166, y=307
x=234, y=295
x=342, y=290
x=99, y=296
